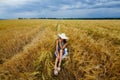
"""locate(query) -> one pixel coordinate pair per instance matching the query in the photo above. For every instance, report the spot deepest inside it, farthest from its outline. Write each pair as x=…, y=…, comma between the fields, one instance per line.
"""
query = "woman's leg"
x=60, y=60
x=56, y=61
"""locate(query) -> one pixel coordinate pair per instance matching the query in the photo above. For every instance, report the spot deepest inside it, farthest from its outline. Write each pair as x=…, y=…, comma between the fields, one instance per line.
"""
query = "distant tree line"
x=73, y=18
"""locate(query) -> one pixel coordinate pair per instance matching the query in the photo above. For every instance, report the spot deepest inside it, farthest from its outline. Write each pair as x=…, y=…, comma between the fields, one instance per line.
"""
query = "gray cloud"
x=55, y=8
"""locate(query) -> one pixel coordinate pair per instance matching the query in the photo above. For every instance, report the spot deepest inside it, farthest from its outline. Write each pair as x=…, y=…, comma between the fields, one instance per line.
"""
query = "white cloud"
x=15, y=3
x=2, y=10
x=26, y=14
x=77, y=5
x=65, y=7
x=107, y=4
x=7, y=6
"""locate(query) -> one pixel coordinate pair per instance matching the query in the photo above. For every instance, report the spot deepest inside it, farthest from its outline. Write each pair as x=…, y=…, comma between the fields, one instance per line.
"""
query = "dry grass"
x=27, y=47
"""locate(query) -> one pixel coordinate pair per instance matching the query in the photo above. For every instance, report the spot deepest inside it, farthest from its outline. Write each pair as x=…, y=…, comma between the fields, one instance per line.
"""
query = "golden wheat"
x=27, y=49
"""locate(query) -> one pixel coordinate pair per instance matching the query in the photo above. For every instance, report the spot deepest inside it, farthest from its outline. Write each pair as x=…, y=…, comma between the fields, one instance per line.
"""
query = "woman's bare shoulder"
x=57, y=40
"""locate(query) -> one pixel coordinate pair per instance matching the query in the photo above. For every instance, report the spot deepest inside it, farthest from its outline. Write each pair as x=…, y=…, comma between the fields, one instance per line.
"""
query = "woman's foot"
x=58, y=69
x=55, y=72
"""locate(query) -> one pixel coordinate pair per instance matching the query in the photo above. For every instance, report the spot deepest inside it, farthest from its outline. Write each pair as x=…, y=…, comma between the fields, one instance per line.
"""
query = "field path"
x=31, y=42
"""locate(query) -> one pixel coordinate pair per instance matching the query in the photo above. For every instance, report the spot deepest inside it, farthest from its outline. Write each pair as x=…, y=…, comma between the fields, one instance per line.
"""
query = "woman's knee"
x=61, y=51
x=58, y=57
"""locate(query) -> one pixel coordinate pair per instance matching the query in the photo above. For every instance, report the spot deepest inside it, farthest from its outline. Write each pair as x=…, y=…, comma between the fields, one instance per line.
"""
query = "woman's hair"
x=64, y=40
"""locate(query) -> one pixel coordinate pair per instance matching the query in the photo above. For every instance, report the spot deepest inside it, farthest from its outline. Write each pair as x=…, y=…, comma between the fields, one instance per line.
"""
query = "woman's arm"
x=64, y=46
x=60, y=43
x=57, y=46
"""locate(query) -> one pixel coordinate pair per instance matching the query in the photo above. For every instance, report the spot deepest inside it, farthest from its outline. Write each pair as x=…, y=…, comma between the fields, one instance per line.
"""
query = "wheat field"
x=27, y=49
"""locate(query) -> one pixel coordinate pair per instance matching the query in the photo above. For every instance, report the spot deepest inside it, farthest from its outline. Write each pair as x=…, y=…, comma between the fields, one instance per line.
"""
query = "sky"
x=10, y=9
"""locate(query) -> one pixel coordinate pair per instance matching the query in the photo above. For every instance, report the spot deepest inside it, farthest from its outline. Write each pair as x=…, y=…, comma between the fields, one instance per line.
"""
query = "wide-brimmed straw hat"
x=63, y=36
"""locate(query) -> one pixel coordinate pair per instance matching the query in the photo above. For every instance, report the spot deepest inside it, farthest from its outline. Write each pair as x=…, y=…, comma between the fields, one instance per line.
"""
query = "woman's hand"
x=57, y=51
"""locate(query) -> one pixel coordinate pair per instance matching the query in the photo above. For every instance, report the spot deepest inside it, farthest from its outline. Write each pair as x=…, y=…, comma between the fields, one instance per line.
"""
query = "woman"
x=61, y=49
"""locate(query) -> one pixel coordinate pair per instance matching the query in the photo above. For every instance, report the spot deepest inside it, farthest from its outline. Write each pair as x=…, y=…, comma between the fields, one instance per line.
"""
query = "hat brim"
x=63, y=37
